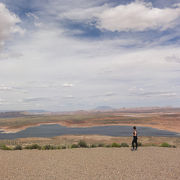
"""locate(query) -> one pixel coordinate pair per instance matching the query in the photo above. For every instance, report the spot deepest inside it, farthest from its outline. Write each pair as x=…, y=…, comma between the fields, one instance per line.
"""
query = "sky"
x=66, y=55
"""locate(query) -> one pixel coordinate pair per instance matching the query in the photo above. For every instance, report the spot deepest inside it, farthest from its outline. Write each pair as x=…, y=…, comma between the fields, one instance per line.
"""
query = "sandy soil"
x=148, y=163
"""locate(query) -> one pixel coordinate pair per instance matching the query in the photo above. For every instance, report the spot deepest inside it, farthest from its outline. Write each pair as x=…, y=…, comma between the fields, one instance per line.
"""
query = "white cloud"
x=5, y=88
x=5, y=56
x=138, y=16
x=36, y=99
x=68, y=85
x=135, y=16
x=29, y=14
x=173, y=59
x=69, y=97
x=158, y=94
x=110, y=94
x=2, y=101
x=47, y=63
x=81, y=14
x=8, y=24
x=141, y=92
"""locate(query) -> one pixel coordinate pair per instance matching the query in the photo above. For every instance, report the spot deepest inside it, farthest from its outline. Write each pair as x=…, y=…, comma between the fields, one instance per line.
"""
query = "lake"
x=57, y=130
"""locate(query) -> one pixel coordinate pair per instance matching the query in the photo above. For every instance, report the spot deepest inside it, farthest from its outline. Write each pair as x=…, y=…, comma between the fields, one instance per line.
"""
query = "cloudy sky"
x=64, y=55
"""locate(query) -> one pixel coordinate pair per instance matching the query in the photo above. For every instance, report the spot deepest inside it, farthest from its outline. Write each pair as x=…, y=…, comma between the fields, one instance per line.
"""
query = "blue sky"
x=68, y=55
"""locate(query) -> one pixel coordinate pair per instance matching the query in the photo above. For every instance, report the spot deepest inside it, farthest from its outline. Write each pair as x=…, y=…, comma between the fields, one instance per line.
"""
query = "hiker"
x=134, y=138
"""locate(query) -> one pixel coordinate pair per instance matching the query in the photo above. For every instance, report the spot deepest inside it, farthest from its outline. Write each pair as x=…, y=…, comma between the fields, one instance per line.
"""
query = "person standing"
x=134, y=141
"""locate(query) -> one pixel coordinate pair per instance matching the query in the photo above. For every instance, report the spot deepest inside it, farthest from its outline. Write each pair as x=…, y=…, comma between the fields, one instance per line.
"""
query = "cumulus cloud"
x=138, y=16
x=8, y=24
x=134, y=16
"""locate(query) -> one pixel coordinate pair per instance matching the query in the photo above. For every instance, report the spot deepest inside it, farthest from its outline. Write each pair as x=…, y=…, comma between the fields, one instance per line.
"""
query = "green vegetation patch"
x=116, y=145
x=124, y=145
x=74, y=146
x=49, y=147
x=4, y=147
x=108, y=145
x=165, y=144
x=82, y=144
x=18, y=147
x=93, y=146
x=101, y=145
x=33, y=146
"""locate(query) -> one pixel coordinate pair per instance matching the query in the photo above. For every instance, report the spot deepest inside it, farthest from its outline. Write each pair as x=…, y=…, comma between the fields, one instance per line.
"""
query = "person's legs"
x=136, y=143
x=133, y=143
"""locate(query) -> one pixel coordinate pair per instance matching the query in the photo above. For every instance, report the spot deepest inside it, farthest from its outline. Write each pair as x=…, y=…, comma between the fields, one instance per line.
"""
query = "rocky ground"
x=148, y=163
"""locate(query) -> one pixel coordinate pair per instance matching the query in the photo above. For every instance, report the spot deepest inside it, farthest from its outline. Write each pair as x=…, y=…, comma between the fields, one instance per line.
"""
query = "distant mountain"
x=11, y=114
x=103, y=108
x=36, y=111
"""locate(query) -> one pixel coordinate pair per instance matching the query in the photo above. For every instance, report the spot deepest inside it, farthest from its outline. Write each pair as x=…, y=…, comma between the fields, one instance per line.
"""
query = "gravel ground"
x=148, y=163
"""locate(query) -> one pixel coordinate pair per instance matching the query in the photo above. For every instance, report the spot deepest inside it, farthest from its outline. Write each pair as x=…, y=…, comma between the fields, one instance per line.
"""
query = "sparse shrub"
x=165, y=144
x=124, y=145
x=63, y=147
x=17, y=147
x=108, y=145
x=116, y=145
x=101, y=145
x=173, y=146
x=154, y=144
x=150, y=144
x=33, y=146
x=82, y=144
x=59, y=147
x=49, y=147
x=4, y=147
x=93, y=146
x=74, y=146
x=139, y=144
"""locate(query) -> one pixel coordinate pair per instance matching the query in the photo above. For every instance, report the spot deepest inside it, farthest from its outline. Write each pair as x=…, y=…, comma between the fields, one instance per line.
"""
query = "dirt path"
x=148, y=163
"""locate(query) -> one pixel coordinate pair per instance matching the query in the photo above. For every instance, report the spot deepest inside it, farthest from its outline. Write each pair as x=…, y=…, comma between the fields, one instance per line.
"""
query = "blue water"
x=57, y=130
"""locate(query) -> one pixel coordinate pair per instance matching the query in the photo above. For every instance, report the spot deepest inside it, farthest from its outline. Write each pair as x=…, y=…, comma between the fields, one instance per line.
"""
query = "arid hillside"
x=161, y=118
